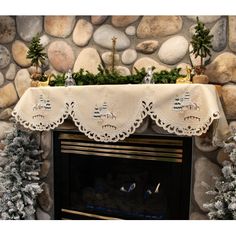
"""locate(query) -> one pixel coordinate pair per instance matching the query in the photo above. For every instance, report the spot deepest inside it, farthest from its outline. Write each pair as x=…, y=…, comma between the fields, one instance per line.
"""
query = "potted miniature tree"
x=38, y=57
x=202, y=46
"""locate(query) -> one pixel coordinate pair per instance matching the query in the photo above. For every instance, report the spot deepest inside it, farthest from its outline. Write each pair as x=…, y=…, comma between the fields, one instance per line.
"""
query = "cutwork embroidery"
x=184, y=103
x=42, y=104
x=103, y=112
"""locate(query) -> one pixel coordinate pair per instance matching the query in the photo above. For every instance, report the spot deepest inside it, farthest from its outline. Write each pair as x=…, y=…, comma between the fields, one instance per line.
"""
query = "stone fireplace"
x=77, y=51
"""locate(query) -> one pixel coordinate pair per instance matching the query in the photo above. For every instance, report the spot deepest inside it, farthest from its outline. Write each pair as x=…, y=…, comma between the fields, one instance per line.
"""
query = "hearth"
x=146, y=176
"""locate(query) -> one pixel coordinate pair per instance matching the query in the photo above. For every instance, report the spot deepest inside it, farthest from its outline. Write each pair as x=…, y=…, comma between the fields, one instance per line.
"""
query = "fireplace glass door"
x=144, y=177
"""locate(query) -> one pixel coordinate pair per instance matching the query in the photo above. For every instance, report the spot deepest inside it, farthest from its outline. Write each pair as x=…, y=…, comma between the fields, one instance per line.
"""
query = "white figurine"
x=148, y=77
x=69, y=79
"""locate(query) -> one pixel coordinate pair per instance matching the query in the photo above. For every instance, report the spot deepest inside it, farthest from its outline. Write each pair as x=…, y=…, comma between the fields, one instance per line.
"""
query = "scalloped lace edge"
x=186, y=131
x=147, y=110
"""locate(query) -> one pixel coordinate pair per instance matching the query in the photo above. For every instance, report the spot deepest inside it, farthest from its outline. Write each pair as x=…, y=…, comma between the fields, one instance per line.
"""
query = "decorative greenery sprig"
x=166, y=77
x=104, y=76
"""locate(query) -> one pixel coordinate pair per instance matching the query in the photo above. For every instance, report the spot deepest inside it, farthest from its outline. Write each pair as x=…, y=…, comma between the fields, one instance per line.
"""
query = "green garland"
x=104, y=76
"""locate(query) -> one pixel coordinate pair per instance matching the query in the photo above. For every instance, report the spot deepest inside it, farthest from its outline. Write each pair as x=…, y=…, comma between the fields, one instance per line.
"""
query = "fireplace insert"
x=144, y=177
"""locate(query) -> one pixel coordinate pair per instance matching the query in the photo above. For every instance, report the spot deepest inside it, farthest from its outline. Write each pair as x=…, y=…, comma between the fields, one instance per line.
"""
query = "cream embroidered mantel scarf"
x=109, y=113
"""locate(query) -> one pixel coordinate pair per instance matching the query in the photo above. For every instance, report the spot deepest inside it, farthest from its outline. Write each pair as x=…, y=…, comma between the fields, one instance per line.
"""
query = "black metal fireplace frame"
x=60, y=213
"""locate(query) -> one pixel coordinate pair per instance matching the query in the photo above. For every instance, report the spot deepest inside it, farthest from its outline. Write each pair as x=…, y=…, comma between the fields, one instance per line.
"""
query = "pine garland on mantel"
x=19, y=181
x=104, y=76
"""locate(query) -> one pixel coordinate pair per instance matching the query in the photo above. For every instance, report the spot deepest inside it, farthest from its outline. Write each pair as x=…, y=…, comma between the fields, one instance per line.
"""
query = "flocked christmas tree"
x=223, y=204
x=19, y=181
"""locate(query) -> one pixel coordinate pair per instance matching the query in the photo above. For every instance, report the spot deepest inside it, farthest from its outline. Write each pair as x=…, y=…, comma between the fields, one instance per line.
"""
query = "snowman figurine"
x=148, y=77
x=69, y=79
